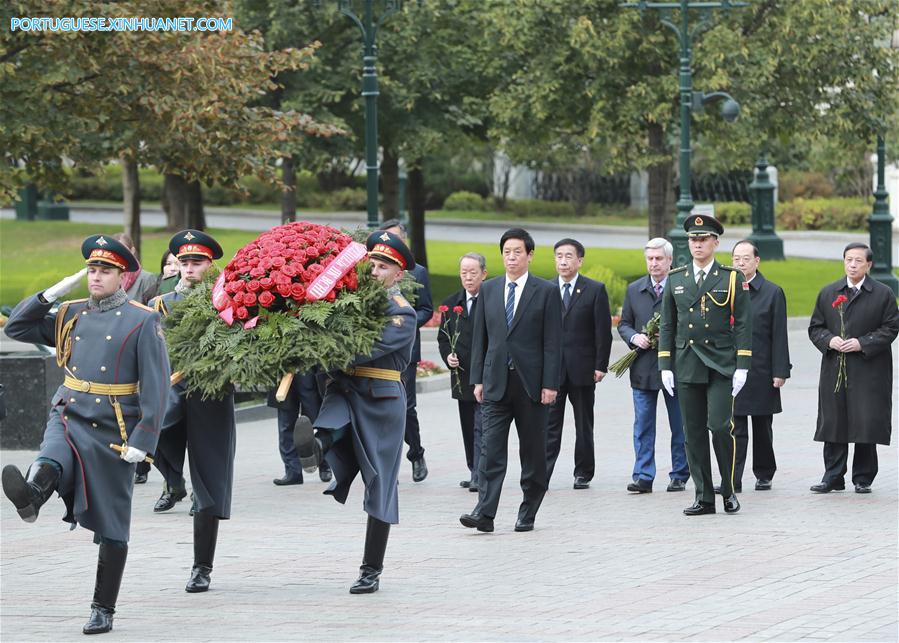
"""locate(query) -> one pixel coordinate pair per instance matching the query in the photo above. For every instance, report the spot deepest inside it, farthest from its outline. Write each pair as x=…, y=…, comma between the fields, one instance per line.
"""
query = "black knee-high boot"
x=206, y=529
x=110, y=567
x=373, y=560
x=28, y=495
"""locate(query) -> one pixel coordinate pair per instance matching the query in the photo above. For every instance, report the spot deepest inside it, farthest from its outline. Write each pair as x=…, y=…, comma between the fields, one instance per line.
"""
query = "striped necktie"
x=510, y=303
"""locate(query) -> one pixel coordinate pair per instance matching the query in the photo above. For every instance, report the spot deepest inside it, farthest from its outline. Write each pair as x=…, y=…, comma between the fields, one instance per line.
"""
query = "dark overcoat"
x=424, y=306
x=640, y=304
x=119, y=345
x=586, y=332
x=450, y=325
x=374, y=411
x=770, y=349
x=211, y=429
x=862, y=411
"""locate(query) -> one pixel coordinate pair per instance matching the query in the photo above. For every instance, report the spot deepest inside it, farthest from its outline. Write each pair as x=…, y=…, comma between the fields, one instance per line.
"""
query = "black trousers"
x=763, y=462
x=310, y=403
x=530, y=420
x=582, y=398
x=467, y=416
x=413, y=434
x=864, y=462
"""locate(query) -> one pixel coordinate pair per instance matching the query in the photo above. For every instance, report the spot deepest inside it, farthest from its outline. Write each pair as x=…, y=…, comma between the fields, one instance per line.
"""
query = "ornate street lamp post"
x=689, y=100
x=368, y=27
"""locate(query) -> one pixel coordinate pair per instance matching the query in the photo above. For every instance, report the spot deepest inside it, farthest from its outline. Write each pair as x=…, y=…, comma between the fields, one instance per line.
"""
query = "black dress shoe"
x=699, y=509
x=676, y=485
x=309, y=448
x=199, y=579
x=640, y=486
x=473, y=488
x=581, y=482
x=325, y=475
x=477, y=521
x=288, y=480
x=368, y=581
x=731, y=505
x=419, y=469
x=168, y=499
x=524, y=525
x=140, y=478
x=762, y=485
x=862, y=488
x=465, y=484
x=100, y=620
x=827, y=487
x=738, y=488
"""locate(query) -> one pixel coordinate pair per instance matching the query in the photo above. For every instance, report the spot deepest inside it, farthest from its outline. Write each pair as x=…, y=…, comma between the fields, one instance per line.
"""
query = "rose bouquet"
x=297, y=298
x=651, y=330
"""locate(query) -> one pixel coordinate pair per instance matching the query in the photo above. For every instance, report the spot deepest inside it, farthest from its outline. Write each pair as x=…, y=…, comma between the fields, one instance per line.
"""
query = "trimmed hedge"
x=463, y=201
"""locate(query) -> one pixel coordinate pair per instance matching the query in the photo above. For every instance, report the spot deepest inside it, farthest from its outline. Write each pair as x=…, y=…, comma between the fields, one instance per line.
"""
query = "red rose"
x=284, y=290
x=253, y=285
x=314, y=271
x=242, y=313
x=249, y=299
x=289, y=270
x=457, y=310
x=266, y=299
x=312, y=252
x=257, y=272
x=842, y=299
x=278, y=262
x=297, y=291
x=266, y=283
x=238, y=298
x=279, y=277
x=443, y=308
x=266, y=263
x=331, y=296
x=240, y=285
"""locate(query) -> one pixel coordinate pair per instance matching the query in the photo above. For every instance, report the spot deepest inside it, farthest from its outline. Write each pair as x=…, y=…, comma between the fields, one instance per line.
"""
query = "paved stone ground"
x=601, y=564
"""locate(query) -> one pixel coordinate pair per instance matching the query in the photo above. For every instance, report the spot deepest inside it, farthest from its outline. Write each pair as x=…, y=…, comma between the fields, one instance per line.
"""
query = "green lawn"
x=35, y=255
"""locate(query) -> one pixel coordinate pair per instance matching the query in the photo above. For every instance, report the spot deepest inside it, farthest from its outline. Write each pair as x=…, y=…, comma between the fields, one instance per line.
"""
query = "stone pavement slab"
x=601, y=564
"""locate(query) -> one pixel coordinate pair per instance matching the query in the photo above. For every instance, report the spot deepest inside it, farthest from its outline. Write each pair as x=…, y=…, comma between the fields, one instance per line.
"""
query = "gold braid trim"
x=64, y=335
x=159, y=307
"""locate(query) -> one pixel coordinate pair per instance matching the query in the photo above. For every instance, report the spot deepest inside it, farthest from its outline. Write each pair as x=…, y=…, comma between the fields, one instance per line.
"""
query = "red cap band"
x=387, y=252
x=194, y=249
x=108, y=257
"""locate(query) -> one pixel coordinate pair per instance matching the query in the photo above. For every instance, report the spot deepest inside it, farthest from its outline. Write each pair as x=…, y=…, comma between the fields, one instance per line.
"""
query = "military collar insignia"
x=101, y=241
x=189, y=236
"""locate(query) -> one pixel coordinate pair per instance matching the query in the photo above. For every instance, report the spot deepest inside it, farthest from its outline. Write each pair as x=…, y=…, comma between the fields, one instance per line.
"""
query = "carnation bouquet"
x=297, y=298
x=842, y=376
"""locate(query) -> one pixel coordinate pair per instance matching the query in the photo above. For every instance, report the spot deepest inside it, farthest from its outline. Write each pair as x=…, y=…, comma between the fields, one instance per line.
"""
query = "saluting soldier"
x=104, y=418
x=208, y=426
x=705, y=336
x=361, y=423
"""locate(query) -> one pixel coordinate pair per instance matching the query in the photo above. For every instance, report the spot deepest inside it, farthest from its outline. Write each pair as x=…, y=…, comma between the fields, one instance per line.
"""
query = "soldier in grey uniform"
x=209, y=426
x=362, y=418
x=104, y=418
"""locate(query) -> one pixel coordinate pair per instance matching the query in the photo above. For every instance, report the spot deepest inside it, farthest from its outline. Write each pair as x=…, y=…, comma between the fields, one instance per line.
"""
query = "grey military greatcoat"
x=115, y=341
x=375, y=411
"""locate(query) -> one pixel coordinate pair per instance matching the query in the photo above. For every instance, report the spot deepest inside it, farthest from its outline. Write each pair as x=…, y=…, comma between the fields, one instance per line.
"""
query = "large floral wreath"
x=297, y=298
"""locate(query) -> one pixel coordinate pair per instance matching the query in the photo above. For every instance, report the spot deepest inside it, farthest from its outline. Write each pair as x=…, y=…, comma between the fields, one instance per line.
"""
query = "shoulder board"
x=678, y=269
x=723, y=267
x=69, y=302
x=401, y=301
x=137, y=304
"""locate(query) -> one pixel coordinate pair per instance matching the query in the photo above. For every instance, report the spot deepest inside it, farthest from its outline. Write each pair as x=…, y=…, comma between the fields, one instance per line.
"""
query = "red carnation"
x=443, y=308
x=457, y=310
x=242, y=313
x=266, y=299
x=839, y=301
x=284, y=290
x=297, y=291
x=253, y=285
x=249, y=299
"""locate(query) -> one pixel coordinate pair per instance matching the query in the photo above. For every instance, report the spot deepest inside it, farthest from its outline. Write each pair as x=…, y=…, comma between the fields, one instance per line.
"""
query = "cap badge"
x=384, y=237
x=698, y=221
x=101, y=241
x=189, y=236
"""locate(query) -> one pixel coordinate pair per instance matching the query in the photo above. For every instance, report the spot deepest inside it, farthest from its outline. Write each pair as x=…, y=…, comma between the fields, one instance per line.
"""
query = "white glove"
x=133, y=455
x=58, y=290
x=668, y=382
x=739, y=380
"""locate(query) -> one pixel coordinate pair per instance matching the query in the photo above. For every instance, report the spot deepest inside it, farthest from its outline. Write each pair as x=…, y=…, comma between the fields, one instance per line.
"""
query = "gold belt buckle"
x=85, y=386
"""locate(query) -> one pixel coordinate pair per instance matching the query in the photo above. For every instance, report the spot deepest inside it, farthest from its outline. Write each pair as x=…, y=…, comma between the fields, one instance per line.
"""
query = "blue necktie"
x=510, y=303
x=566, y=296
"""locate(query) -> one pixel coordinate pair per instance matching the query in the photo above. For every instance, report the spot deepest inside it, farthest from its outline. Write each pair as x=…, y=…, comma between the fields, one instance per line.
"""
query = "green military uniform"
x=705, y=335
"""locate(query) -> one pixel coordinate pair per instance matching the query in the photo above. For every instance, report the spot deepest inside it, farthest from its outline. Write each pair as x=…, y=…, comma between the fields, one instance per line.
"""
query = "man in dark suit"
x=424, y=310
x=457, y=316
x=586, y=343
x=516, y=362
x=643, y=300
x=857, y=407
x=770, y=370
